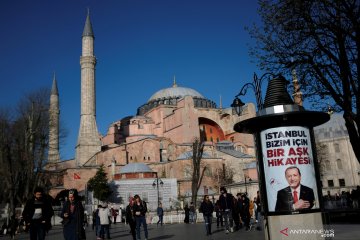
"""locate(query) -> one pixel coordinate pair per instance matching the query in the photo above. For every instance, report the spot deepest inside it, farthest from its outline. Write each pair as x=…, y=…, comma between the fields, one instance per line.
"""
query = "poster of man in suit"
x=289, y=169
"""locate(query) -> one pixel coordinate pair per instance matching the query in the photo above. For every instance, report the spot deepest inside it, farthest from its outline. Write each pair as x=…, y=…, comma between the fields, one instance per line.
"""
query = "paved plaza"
x=193, y=231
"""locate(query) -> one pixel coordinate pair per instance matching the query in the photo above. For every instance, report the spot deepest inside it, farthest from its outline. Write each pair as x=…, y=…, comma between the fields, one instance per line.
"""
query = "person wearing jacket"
x=140, y=210
x=37, y=215
x=245, y=214
x=130, y=217
x=73, y=217
x=160, y=213
x=227, y=206
x=104, y=216
x=219, y=218
x=207, y=209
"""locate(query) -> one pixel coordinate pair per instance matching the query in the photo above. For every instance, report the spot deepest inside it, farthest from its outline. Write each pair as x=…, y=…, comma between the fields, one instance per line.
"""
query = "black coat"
x=142, y=208
x=129, y=214
x=206, y=208
x=46, y=209
x=73, y=224
x=285, y=201
x=226, y=202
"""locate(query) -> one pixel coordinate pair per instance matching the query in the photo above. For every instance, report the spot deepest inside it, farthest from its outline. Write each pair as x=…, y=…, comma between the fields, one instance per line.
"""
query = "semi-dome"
x=175, y=91
x=135, y=168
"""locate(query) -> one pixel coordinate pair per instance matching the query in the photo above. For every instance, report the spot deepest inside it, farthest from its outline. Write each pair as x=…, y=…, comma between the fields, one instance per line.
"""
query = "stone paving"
x=193, y=231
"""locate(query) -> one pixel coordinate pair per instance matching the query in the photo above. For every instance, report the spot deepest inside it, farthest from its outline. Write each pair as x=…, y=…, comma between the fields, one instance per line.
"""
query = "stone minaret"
x=54, y=112
x=88, y=140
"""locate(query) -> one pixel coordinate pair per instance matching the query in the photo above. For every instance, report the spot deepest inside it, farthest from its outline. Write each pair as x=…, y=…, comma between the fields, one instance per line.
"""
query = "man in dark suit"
x=295, y=196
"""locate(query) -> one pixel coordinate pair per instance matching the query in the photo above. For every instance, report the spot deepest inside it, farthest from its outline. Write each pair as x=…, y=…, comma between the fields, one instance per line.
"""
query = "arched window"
x=339, y=164
x=208, y=172
x=327, y=165
x=336, y=147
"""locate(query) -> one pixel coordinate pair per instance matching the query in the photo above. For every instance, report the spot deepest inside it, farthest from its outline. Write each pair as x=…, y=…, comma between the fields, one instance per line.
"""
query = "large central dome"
x=175, y=91
x=170, y=97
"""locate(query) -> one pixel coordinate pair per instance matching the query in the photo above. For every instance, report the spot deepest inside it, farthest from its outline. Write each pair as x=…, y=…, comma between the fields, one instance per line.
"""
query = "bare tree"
x=320, y=39
x=225, y=175
x=23, y=147
x=198, y=168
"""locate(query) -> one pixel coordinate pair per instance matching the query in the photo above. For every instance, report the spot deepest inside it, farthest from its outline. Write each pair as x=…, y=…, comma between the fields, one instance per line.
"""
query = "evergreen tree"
x=99, y=185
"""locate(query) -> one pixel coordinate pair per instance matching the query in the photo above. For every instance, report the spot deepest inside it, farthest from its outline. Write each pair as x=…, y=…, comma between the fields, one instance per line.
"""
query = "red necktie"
x=295, y=197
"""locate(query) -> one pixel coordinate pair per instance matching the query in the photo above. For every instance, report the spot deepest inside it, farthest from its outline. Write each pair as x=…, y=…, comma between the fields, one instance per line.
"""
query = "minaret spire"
x=174, y=82
x=88, y=31
x=54, y=88
x=54, y=113
x=220, y=102
x=88, y=143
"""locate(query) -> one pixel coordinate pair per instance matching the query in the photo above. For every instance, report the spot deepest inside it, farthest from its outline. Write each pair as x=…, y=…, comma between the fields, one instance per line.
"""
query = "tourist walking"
x=104, y=216
x=192, y=213
x=37, y=215
x=73, y=216
x=207, y=209
x=114, y=214
x=219, y=218
x=130, y=217
x=140, y=210
x=160, y=213
x=187, y=213
x=245, y=212
x=236, y=214
x=96, y=222
x=258, y=213
x=227, y=206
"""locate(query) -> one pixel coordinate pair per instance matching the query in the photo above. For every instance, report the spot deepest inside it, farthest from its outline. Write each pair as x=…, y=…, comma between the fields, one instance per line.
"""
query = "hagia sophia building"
x=155, y=144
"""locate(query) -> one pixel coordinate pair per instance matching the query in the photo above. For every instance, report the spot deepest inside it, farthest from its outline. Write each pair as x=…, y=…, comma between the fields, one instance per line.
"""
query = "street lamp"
x=247, y=177
x=156, y=183
x=256, y=87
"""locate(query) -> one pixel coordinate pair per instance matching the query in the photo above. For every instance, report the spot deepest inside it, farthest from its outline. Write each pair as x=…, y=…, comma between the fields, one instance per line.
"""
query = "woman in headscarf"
x=129, y=214
x=73, y=216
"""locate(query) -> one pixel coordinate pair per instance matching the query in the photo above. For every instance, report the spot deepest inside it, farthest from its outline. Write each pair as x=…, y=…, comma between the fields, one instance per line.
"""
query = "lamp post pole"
x=245, y=185
x=158, y=194
x=156, y=183
x=256, y=87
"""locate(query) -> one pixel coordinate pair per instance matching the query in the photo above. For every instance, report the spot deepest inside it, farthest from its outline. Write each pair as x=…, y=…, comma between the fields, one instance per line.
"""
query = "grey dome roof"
x=175, y=91
x=135, y=168
x=189, y=154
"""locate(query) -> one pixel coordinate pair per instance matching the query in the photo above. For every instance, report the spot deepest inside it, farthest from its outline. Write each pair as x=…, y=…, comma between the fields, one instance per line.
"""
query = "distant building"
x=339, y=168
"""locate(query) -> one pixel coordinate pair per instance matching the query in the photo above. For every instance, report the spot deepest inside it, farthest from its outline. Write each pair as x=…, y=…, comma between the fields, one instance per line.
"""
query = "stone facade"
x=160, y=135
x=339, y=168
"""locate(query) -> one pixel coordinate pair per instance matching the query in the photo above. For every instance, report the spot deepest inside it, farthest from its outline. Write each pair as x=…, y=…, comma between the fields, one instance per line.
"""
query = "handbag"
x=65, y=221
